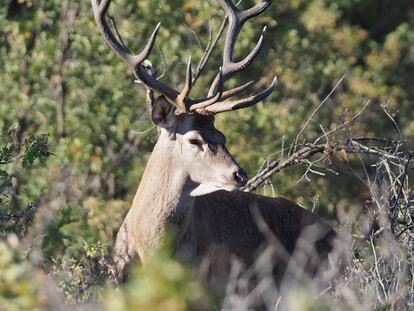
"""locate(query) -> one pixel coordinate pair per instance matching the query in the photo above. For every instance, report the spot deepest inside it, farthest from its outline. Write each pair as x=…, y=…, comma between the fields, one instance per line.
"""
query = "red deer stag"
x=191, y=179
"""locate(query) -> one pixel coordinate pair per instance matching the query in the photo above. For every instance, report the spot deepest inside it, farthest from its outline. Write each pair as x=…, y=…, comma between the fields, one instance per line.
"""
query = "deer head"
x=200, y=147
x=187, y=125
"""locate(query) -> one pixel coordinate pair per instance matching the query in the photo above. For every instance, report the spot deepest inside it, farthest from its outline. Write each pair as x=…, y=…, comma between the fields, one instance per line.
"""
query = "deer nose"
x=241, y=177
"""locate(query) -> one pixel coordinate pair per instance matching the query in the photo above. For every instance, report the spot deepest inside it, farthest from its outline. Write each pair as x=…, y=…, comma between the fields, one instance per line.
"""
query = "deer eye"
x=195, y=142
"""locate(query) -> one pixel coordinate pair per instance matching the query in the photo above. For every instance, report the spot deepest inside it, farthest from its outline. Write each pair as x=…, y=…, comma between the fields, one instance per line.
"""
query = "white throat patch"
x=206, y=188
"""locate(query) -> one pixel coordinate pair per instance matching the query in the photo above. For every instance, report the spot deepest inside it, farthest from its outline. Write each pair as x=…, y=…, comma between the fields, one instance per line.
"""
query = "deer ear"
x=162, y=113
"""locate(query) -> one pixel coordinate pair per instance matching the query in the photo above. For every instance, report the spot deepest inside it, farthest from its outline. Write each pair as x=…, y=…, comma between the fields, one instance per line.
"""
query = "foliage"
x=18, y=289
x=76, y=133
x=17, y=154
x=164, y=284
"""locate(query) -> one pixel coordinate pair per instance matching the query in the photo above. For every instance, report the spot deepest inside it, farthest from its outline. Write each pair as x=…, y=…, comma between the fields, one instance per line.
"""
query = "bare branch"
x=211, y=46
x=308, y=151
x=317, y=108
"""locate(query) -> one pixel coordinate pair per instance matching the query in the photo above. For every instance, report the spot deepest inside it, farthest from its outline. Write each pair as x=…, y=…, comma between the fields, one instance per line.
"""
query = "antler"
x=100, y=8
x=237, y=19
x=215, y=100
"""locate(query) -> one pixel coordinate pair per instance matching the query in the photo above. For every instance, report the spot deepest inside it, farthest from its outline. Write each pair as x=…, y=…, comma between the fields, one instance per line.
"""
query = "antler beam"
x=100, y=9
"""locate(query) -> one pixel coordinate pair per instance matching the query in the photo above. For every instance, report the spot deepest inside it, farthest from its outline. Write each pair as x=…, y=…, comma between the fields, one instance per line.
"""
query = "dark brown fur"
x=242, y=224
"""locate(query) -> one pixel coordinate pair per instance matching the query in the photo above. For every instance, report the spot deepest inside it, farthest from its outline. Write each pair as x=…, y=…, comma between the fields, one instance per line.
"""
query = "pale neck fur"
x=162, y=196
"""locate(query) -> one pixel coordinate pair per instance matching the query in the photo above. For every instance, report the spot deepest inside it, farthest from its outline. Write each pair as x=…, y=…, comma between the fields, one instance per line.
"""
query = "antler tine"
x=237, y=19
x=242, y=103
x=254, y=11
x=99, y=11
x=100, y=8
x=199, y=105
x=181, y=99
x=236, y=91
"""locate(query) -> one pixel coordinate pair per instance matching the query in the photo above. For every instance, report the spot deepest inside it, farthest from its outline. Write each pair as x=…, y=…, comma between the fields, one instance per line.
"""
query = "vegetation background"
x=75, y=132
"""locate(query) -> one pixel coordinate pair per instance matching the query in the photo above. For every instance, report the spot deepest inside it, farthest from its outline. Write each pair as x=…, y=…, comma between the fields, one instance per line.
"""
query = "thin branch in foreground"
x=211, y=46
x=317, y=108
x=308, y=151
x=277, y=166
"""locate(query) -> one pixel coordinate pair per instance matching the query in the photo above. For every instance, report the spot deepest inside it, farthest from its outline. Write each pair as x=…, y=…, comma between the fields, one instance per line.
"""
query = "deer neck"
x=162, y=197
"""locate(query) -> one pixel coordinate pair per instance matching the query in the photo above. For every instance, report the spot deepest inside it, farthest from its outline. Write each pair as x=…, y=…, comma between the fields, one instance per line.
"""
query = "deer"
x=192, y=183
